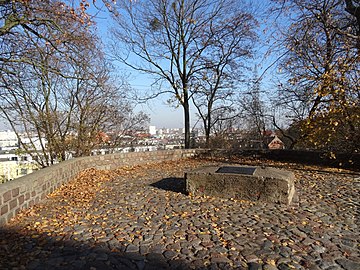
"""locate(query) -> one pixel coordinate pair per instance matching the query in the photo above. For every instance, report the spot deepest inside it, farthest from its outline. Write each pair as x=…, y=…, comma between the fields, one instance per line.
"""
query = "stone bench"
x=243, y=183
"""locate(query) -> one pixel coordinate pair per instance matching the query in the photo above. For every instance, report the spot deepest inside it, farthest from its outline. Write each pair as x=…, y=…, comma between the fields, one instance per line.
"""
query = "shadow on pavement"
x=31, y=251
x=174, y=184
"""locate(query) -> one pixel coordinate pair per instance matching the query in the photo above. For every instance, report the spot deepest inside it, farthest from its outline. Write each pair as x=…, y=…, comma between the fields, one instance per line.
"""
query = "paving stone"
x=218, y=258
x=299, y=233
x=347, y=264
x=202, y=254
x=155, y=257
x=348, y=242
x=132, y=248
x=308, y=241
x=126, y=262
x=251, y=258
x=135, y=256
x=174, y=246
x=319, y=249
x=208, y=244
x=283, y=260
x=284, y=266
x=269, y=267
x=204, y=237
x=156, y=266
x=285, y=251
x=136, y=226
x=221, y=249
x=144, y=249
x=33, y=265
x=78, y=264
x=156, y=249
x=102, y=256
x=96, y=265
x=198, y=264
x=140, y=264
x=185, y=251
x=179, y=264
x=169, y=254
x=254, y=266
x=267, y=245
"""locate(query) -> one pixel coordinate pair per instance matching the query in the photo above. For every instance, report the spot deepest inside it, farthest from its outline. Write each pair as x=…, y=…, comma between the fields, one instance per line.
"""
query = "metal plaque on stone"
x=237, y=170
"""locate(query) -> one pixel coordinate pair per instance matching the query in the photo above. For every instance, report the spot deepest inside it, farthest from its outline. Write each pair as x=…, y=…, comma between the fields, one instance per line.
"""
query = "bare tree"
x=254, y=111
x=38, y=56
x=167, y=39
x=100, y=107
x=215, y=85
x=58, y=97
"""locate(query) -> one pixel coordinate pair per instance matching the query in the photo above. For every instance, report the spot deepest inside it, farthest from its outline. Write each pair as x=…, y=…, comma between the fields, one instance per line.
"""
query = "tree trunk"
x=207, y=125
x=207, y=137
x=187, y=123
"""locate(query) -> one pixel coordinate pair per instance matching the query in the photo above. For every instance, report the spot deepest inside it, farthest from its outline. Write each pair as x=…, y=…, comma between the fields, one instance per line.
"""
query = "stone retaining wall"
x=342, y=160
x=28, y=190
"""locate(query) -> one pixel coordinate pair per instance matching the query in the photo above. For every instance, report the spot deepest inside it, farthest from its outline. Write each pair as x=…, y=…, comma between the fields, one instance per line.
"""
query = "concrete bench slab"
x=243, y=183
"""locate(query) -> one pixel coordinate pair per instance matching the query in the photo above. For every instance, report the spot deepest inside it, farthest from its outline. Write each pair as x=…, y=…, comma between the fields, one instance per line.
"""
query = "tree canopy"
x=57, y=90
x=322, y=69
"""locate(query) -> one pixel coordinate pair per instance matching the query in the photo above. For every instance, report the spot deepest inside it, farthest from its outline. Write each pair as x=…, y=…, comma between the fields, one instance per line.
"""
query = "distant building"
x=152, y=130
x=8, y=140
x=34, y=143
x=14, y=166
x=102, y=137
x=276, y=143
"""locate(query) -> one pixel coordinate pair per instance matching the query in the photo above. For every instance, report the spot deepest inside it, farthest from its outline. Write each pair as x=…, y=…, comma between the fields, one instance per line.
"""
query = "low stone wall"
x=28, y=190
x=342, y=160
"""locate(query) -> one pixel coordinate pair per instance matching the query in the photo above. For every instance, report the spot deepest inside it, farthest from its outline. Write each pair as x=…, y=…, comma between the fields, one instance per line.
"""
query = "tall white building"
x=152, y=130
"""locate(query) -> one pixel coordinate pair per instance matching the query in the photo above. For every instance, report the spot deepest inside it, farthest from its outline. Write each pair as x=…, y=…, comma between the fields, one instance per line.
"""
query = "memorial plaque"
x=237, y=170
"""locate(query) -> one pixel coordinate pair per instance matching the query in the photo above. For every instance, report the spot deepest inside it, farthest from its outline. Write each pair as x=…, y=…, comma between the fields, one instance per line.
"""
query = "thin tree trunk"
x=187, y=123
x=207, y=137
x=208, y=128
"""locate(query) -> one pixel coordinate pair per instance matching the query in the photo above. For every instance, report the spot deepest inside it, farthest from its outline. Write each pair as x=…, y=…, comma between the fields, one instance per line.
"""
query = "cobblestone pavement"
x=143, y=219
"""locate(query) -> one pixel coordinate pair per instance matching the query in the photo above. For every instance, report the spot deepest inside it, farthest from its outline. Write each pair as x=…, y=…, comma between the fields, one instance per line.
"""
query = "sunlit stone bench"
x=243, y=183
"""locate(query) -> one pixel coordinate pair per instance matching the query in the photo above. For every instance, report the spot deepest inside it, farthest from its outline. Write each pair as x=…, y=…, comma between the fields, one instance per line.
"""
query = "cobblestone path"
x=142, y=219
